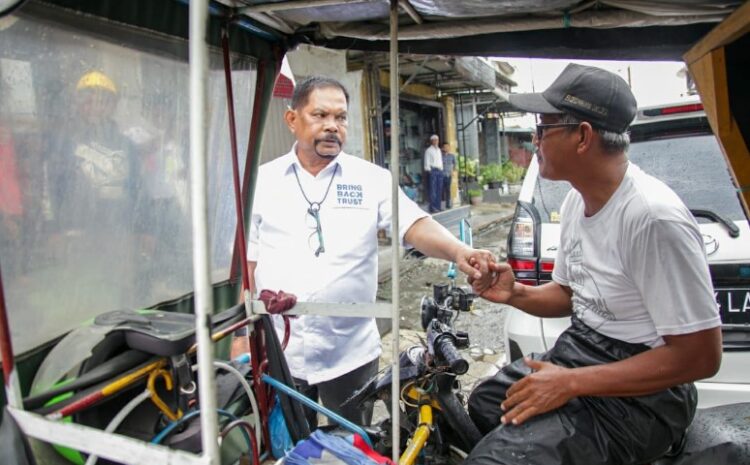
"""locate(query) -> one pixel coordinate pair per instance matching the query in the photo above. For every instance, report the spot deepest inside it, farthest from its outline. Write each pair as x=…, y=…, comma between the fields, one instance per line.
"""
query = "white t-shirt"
x=637, y=268
x=433, y=158
x=283, y=242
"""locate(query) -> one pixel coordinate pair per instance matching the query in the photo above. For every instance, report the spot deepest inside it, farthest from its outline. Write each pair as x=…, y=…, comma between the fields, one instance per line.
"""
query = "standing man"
x=433, y=161
x=449, y=166
x=313, y=233
x=631, y=271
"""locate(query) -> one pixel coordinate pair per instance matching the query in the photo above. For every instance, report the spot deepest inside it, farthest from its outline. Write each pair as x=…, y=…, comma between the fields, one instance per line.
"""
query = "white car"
x=673, y=143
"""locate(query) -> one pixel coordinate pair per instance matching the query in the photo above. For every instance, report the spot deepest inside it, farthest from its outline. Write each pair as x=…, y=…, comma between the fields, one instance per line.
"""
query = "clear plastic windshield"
x=94, y=172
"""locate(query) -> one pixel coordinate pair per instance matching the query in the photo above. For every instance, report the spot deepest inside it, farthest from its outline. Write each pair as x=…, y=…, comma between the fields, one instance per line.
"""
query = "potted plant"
x=513, y=175
x=467, y=167
x=475, y=196
x=492, y=175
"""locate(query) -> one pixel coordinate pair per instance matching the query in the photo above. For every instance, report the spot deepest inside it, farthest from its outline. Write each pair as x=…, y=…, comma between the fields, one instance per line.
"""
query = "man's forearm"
x=547, y=301
x=433, y=240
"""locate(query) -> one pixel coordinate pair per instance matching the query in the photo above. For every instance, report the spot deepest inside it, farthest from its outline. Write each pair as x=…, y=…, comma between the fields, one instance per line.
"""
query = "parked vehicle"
x=673, y=143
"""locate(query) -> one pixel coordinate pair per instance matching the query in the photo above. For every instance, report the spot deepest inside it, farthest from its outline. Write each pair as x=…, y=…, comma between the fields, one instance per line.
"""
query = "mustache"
x=328, y=138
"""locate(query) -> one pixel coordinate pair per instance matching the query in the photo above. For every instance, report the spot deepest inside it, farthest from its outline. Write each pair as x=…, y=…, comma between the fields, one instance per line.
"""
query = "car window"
x=548, y=197
x=691, y=164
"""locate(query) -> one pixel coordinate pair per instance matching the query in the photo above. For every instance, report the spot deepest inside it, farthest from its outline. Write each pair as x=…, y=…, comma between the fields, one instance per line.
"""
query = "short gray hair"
x=434, y=136
x=612, y=142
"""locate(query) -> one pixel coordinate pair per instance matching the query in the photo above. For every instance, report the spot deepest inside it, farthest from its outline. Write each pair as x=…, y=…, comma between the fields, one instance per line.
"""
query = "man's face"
x=556, y=148
x=320, y=125
x=446, y=148
x=434, y=141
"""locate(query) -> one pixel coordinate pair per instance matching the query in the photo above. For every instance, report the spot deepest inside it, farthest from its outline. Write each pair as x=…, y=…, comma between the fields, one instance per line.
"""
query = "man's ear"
x=585, y=137
x=290, y=117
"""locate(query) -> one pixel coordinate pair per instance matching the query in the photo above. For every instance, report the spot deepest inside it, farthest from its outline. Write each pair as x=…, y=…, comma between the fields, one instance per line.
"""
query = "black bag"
x=587, y=430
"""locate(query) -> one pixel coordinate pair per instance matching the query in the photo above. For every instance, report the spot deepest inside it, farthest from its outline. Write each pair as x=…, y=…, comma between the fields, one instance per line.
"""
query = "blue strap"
x=343, y=422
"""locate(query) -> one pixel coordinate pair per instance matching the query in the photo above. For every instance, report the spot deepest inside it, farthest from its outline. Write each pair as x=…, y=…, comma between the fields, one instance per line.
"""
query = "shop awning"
x=606, y=29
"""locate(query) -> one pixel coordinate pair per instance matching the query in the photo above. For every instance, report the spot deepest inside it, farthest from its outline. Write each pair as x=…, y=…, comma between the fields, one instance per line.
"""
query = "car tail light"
x=545, y=271
x=522, y=235
x=523, y=244
x=525, y=271
x=522, y=265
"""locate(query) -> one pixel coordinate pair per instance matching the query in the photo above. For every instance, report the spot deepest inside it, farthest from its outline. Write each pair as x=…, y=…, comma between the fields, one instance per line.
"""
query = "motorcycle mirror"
x=428, y=311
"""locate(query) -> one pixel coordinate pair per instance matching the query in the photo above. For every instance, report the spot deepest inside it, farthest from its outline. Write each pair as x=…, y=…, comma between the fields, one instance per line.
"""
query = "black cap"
x=590, y=94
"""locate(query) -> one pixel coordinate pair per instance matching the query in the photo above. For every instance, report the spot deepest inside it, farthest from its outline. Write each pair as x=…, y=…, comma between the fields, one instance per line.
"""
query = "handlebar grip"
x=447, y=349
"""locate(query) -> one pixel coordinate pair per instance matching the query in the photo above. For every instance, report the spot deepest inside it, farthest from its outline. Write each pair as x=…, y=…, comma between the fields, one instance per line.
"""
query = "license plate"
x=734, y=305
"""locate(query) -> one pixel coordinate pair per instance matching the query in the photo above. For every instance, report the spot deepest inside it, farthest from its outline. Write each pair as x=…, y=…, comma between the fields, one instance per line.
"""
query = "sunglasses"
x=541, y=127
x=315, y=239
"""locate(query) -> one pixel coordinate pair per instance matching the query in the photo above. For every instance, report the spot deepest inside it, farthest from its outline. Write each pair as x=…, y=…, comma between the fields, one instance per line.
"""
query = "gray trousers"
x=334, y=392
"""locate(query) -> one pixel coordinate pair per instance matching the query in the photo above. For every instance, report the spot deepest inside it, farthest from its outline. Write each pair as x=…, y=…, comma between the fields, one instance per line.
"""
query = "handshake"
x=490, y=280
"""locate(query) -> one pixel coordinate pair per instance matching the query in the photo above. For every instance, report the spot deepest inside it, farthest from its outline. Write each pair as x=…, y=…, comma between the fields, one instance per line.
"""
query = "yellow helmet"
x=96, y=80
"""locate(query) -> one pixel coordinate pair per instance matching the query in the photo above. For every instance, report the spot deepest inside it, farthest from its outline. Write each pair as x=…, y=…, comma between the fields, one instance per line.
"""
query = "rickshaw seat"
x=154, y=332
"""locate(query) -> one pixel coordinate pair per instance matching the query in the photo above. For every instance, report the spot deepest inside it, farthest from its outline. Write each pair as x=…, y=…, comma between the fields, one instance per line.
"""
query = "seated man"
x=631, y=270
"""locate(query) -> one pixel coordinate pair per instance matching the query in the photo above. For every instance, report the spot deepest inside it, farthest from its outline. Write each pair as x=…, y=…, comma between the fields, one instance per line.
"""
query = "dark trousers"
x=436, y=189
x=447, y=190
x=336, y=391
x=586, y=430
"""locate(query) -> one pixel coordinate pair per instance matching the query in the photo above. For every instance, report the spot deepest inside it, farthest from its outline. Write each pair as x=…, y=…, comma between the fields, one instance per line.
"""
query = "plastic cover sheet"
x=611, y=18
x=97, y=212
x=481, y=8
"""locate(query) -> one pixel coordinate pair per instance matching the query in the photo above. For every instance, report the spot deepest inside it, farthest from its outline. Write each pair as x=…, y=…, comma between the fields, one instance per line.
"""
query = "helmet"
x=96, y=80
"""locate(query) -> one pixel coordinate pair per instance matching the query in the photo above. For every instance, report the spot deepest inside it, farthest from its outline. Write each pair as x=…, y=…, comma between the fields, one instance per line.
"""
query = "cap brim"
x=532, y=103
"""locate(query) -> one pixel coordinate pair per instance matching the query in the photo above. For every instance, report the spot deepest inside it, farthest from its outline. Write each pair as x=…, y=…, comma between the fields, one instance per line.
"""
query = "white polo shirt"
x=433, y=158
x=283, y=242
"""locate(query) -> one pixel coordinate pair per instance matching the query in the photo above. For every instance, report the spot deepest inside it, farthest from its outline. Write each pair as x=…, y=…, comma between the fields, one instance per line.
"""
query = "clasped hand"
x=476, y=264
x=496, y=284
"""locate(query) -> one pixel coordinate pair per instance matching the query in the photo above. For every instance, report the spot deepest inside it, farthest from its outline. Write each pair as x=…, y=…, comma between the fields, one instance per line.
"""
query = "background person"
x=433, y=160
x=449, y=166
x=631, y=270
x=313, y=233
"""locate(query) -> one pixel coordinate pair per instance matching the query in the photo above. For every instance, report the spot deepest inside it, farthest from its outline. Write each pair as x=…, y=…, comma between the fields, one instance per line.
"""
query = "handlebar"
x=442, y=342
x=446, y=349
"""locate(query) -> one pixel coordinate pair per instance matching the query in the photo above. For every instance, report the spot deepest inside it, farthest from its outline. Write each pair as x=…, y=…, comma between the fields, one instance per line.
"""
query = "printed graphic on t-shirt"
x=349, y=195
x=587, y=298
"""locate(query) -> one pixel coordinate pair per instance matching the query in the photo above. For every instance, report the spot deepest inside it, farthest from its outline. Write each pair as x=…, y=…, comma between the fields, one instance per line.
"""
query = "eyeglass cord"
x=314, y=207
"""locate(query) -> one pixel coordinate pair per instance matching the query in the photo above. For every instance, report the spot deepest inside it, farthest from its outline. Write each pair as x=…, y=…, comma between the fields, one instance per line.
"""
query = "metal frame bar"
x=396, y=247
x=109, y=446
x=409, y=9
x=199, y=205
x=294, y=5
x=357, y=310
x=10, y=373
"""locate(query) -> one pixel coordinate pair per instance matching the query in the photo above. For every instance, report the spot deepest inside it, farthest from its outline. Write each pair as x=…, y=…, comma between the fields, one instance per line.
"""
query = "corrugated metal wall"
x=277, y=138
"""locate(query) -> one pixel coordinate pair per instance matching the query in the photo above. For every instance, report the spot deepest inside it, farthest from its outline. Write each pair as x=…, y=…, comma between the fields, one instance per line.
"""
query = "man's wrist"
x=516, y=292
x=571, y=383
